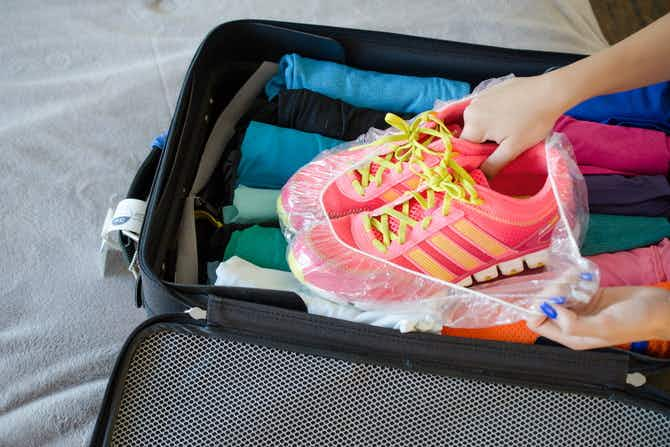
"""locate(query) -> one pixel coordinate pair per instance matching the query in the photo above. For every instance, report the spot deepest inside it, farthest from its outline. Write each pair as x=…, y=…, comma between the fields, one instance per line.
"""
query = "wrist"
x=662, y=312
x=567, y=87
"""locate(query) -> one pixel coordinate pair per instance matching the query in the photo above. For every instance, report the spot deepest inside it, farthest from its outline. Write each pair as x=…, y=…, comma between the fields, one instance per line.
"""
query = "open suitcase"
x=236, y=366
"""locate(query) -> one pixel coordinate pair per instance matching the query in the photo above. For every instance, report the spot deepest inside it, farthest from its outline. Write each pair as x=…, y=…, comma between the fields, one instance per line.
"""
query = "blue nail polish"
x=586, y=276
x=639, y=346
x=548, y=310
x=557, y=299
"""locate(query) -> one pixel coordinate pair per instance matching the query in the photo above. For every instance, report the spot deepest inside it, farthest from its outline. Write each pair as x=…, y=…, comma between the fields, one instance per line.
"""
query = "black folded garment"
x=313, y=112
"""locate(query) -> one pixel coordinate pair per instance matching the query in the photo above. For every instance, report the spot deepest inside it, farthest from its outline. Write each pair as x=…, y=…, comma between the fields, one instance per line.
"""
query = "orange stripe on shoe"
x=430, y=265
x=390, y=195
x=479, y=238
x=412, y=183
x=454, y=252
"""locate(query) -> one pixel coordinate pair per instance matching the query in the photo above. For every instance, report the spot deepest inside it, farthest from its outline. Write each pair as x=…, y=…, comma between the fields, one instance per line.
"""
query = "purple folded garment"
x=606, y=149
x=644, y=195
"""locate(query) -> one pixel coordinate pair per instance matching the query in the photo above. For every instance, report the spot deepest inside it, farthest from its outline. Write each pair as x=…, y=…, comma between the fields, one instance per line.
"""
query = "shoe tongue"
x=479, y=177
x=455, y=129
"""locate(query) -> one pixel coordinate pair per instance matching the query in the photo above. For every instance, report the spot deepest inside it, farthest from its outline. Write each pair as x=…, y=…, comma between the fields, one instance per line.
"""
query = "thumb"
x=507, y=151
x=471, y=130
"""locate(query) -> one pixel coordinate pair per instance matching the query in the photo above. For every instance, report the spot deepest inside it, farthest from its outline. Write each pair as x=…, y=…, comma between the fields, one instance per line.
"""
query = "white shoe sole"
x=512, y=267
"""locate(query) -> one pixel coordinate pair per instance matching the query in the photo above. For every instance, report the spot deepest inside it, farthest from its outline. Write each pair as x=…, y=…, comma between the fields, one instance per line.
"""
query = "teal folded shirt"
x=610, y=233
x=252, y=205
x=363, y=88
x=272, y=154
x=262, y=246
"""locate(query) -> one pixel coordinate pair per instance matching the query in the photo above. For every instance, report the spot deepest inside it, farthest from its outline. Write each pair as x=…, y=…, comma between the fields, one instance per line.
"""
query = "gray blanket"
x=84, y=87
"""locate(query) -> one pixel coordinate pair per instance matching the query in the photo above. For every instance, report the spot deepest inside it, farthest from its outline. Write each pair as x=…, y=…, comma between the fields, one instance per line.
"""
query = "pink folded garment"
x=638, y=267
x=595, y=170
x=605, y=149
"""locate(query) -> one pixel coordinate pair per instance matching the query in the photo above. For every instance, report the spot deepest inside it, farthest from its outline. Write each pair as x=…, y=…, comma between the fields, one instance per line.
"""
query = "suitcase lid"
x=254, y=374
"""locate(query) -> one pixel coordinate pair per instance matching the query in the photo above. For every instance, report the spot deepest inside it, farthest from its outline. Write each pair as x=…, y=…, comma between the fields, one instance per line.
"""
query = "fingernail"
x=548, y=310
x=557, y=299
x=580, y=296
x=639, y=346
x=586, y=276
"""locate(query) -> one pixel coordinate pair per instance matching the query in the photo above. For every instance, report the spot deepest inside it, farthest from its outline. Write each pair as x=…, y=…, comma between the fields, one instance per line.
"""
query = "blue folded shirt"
x=362, y=88
x=647, y=107
x=271, y=154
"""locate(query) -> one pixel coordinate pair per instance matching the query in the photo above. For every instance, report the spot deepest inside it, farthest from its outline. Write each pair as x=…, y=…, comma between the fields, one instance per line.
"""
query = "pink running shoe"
x=458, y=229
x=381, y=172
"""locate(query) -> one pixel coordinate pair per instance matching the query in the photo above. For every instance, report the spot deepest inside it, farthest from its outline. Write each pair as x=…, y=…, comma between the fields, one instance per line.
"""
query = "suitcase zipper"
x=635, y=379
x=196, y=313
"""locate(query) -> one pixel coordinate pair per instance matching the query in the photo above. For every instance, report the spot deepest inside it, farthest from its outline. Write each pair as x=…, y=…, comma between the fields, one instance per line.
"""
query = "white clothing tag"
x=109, y=238
x=110, y=243
x=128, y=218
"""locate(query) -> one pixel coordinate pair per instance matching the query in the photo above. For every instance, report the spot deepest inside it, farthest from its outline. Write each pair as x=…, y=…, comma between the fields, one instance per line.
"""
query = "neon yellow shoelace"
x=410, y=149
x=447, y=177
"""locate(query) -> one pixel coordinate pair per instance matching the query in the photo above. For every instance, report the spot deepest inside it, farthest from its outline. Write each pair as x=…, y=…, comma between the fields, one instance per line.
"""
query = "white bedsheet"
x=84, y=87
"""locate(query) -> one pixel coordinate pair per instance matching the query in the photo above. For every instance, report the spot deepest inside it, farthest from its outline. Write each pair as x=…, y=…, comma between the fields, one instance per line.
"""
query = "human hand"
x=517, y=114
x=615, y=315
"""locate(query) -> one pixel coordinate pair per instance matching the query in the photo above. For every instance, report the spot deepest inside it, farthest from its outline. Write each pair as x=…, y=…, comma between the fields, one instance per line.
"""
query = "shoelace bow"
x=447, y=177
x=413, y=140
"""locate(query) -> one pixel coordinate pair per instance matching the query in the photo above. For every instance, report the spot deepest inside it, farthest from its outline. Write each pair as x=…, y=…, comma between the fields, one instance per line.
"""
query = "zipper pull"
x=196, y=313
x=636, y=379
x=200, y=203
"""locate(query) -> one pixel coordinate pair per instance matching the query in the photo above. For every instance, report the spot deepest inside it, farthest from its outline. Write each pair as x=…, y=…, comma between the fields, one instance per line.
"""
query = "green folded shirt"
x=609, y=233
x=263, y=246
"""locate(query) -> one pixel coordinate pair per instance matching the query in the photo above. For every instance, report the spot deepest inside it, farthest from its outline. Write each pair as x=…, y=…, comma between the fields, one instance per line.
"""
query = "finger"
x=534, y=321
x=575, y=286
x=551, y=330
x=572, y=323
x=472, y=131
x=507, y=151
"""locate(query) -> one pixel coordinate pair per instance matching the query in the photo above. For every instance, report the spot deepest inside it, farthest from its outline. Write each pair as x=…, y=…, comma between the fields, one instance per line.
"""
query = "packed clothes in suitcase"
x=246, y=346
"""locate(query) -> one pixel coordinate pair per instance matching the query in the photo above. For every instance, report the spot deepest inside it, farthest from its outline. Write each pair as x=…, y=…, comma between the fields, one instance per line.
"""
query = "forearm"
x=663, y=316
x=639, y=60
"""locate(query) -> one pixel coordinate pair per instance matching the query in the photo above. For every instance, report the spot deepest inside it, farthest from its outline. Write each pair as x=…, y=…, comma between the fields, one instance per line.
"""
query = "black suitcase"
x=249, y=366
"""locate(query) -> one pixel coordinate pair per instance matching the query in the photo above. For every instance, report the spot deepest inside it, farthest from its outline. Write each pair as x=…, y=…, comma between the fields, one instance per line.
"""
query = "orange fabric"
x=519, y=333
x=514, y=333
x=659, y=348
